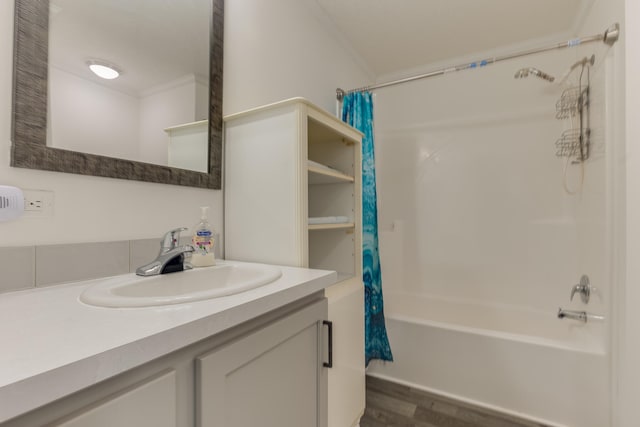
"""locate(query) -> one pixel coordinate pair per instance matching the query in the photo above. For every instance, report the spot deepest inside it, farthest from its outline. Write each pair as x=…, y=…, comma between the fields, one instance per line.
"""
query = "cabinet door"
x=346, y=378
x=271, y=378
x=152, y=404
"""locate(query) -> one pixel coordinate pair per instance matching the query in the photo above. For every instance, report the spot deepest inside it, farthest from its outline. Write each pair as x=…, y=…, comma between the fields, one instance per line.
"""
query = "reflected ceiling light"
x=103, y=69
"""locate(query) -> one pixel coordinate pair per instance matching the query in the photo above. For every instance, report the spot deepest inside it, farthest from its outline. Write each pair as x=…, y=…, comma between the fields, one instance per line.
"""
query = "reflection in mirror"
x=192, y=59
x=156, y=109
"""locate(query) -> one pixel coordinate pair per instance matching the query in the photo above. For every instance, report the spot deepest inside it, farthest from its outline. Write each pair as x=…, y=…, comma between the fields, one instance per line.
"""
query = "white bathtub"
x=525, y=363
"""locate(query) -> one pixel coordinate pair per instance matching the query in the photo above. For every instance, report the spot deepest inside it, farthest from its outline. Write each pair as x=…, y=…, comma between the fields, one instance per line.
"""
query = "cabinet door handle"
x=329, y=325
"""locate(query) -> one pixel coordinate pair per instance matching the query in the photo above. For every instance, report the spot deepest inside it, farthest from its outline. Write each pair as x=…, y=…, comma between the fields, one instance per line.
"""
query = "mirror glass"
x=156, y=110
x=169, y=57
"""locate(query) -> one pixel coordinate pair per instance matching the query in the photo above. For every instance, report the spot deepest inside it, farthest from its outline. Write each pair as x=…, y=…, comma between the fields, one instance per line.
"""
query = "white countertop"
x=54, y=345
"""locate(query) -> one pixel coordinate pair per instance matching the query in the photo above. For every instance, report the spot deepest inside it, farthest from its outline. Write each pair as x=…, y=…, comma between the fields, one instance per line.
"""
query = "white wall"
x=202, y=99
x=609, y=110
x=92, y=118
x=281, y=49
x=273, y=50
x=629, y=299
x=171, y=105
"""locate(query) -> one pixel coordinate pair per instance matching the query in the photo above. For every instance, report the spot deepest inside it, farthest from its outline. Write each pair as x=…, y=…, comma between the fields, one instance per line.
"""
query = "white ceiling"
x=391, y=36
x=153, y=42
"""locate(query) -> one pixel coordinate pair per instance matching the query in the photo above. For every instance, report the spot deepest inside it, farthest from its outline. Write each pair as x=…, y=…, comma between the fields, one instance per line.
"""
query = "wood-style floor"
x=394, y=405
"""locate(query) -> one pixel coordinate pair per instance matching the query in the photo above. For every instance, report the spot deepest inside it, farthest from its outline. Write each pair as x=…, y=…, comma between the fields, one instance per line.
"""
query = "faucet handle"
x=171, y=238
x=576, y=288
x=583, y=288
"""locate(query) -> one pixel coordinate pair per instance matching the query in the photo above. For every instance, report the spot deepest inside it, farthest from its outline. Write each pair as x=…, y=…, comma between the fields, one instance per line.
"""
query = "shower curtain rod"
x=610, y=36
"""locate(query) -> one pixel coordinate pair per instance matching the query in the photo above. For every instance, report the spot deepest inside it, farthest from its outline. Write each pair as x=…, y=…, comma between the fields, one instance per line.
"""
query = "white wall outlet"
x=38, y=203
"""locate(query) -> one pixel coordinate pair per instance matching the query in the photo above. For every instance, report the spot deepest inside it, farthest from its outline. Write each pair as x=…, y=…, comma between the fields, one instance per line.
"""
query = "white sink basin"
x=175, y=288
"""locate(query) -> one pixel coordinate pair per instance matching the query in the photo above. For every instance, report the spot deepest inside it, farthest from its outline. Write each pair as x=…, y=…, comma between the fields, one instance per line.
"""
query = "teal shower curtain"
x=357, y=111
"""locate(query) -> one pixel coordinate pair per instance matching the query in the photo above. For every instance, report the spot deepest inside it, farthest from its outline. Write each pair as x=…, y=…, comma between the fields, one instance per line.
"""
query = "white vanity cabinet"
x=271, y=378
x=151, y=404
x=265, y=372
x=293, y=197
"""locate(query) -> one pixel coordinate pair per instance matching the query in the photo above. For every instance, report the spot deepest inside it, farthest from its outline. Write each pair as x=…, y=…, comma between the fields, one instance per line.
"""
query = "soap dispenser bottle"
x=203, y=242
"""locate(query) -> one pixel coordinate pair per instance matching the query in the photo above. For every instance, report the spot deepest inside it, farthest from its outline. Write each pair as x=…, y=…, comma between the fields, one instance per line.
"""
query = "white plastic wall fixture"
x=11, y=203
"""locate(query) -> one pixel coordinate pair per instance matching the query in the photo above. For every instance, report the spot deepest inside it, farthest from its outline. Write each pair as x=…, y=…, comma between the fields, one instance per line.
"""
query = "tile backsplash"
x=25, y=267
x=17, y=267
x=57, y=264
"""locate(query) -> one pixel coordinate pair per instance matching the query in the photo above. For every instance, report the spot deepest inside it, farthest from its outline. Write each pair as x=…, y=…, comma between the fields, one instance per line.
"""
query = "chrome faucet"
x=572, y=314
x=583, y=288
x=582, y=316
x=171, y=258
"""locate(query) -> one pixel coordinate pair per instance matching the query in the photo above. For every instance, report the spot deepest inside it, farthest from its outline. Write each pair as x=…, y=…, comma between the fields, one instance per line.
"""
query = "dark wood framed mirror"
x=30, y=109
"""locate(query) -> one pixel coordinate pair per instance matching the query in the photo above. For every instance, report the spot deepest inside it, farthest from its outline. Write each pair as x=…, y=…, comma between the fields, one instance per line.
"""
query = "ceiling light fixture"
x=103, y=69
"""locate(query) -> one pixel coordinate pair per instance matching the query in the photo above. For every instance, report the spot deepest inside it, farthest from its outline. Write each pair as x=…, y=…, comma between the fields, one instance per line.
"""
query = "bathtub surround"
x=357, y=111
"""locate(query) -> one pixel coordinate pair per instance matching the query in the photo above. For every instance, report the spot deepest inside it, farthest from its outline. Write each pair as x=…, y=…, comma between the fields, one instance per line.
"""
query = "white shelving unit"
x=189, y=146
x=284, y=163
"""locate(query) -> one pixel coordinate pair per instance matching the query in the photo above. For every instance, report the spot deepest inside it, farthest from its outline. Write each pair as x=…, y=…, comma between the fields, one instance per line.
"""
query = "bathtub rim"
x=595, y=348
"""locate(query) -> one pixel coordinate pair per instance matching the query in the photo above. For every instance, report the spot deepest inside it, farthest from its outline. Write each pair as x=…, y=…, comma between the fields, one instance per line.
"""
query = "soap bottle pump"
x=203, y=242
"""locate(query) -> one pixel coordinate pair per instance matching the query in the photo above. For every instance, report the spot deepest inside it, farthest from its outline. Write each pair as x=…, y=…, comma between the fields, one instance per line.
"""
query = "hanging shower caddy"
x=574, y=102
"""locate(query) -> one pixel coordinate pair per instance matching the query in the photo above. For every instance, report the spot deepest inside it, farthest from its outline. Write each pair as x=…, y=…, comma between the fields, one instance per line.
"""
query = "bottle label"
x=203, y=242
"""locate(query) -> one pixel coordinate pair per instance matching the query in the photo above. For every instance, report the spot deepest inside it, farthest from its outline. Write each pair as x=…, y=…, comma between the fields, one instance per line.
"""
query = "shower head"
x=524, y=72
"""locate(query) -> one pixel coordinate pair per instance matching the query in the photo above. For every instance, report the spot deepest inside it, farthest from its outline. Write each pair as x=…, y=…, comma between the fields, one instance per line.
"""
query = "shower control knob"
x=583, y=288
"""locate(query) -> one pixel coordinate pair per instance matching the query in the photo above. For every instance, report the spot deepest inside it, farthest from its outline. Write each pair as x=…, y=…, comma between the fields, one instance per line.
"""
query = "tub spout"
x=572, y=314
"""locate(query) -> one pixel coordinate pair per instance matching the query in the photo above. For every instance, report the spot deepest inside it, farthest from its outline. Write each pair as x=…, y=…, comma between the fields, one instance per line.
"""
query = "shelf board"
x=193, y=125
x=333, y=226
x=324, y=176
